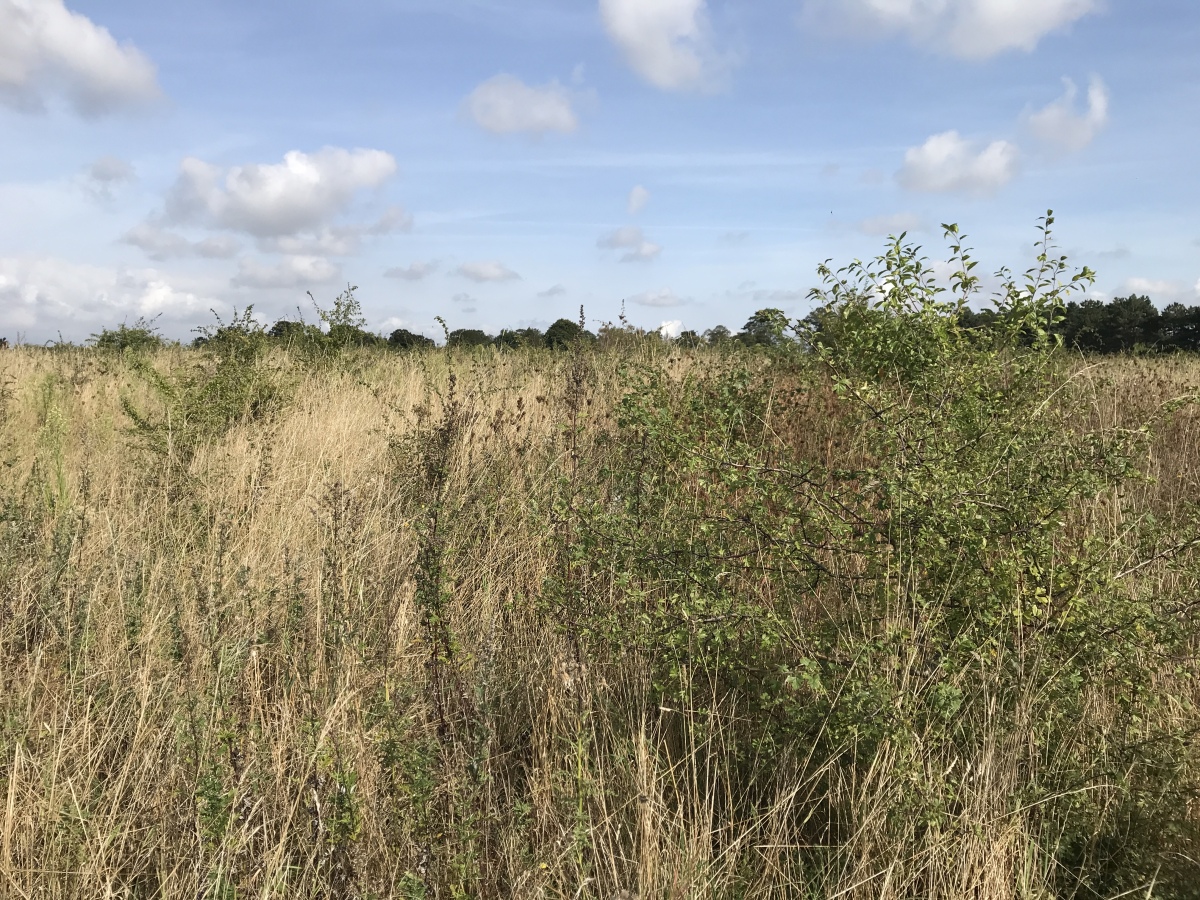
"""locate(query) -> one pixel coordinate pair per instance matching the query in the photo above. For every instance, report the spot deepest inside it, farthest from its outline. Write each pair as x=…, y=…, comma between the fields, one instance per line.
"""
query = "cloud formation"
x=555, y=291
x=968, y=29
x=671, y=329
x=895, y=224
x=41, y=295
x=162, y=244
x=46, y=51
x=667, y=42
x=416, y=271
x=1059, y=125
x=104, y=176
x=507, y=105
x=302, y=193
x=638, y=198
x=631, y=239
x=289, y=272
x=487, y=271
x=948, y=163
x=662, y=298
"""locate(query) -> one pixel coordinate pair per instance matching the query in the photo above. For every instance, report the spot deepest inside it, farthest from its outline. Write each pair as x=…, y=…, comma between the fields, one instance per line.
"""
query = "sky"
x=500, y=163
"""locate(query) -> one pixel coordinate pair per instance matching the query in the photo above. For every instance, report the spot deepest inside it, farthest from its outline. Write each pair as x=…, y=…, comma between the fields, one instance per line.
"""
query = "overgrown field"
x=907, y=611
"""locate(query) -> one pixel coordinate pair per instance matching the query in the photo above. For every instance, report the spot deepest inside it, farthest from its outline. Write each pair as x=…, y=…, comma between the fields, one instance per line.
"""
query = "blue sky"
x=501, y=163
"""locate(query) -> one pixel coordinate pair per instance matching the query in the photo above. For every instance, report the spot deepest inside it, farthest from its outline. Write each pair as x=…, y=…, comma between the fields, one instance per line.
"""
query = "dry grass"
x=216, y=683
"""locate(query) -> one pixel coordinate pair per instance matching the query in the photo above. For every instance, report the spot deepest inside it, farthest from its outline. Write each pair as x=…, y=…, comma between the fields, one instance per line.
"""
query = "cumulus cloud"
x=300, y=194
x=663, y=297
x=416, y=271
x=948, y=163
x=633, y=241
x=290, y=272
x=487, y=271
x=1058, y=123
x=556, y=291
x=968, y=29
x=161, y=244
x=671, y=329
x=638, y=198
x=881, y=226
x=46, y=50
x=667, y=42
x=42, y=295
x=507, y=105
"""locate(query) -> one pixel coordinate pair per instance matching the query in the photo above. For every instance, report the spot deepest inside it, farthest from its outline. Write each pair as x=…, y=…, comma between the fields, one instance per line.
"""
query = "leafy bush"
x=141, y=337
x=234, y=383
x=928, y=624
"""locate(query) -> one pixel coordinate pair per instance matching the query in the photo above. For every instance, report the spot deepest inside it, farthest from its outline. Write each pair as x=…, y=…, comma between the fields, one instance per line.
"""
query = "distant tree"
x=718, y=334
x=689, y=339
x=1085, y=325
x=1179, y=327
x=520, y=337
x=289, y=332
x=403, y=339
x=564, y=333
x=765, y=328
x=468, y=337
x=1131, y=322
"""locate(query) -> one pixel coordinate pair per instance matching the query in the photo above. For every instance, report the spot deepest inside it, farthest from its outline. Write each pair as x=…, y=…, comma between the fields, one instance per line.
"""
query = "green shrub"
x=935, y=610
x=141, y=337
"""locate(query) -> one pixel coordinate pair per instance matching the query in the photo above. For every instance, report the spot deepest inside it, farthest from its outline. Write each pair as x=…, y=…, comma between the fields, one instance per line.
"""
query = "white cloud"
x=556, y=291
x=667, y=42
x=487, y=271
x=416, y=271
x=275, y=200
x=161, y=244
x=638, y=198
x=968, y=29
x=631, y=239
x=1197, y=287
x=290, y=272
x=1156, y=289
x=45, y=50
x=463, y=298
x=1060, y=125
x=895, y=224
x=43, y=295
x=671, y=329
x=507, y=105
x=949, y=163
x=664, y=297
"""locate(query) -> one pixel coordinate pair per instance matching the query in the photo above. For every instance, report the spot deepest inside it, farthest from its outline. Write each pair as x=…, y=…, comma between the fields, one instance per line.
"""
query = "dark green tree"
x=403, y=339
x=468, y=337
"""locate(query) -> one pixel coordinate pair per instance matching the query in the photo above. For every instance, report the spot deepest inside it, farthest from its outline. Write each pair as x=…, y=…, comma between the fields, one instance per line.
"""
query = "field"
x=627, y=620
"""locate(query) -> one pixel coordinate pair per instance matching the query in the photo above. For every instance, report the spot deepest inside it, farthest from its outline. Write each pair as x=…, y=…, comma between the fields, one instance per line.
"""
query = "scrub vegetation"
x=886, y=603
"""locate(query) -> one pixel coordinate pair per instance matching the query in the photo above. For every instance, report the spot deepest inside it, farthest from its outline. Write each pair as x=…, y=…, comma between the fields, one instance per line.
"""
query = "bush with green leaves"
x=941, y=624
x=141, y=337
x=233, y=382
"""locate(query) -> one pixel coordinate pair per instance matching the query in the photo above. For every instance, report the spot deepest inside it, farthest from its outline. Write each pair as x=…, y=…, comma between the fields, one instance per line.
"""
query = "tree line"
x=1122, y=325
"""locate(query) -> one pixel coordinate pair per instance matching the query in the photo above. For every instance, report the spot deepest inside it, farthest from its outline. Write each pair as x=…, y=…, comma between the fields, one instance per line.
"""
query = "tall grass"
x=395, y=634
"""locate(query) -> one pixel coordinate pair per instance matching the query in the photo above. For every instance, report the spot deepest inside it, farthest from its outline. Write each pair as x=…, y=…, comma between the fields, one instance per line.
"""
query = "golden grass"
x=216, y=683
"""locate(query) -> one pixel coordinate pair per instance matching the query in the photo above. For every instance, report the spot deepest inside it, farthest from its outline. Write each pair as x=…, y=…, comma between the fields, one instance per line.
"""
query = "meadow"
x=907, y=611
